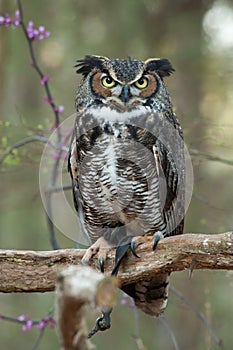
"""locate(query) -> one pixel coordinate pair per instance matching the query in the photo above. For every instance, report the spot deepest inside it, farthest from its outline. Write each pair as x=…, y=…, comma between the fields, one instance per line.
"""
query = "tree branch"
x=202, y=155
x=30, y=271
x=77, y=287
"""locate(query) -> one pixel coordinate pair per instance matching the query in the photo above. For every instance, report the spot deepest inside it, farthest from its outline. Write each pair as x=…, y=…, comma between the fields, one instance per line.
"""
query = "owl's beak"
x=125, y=94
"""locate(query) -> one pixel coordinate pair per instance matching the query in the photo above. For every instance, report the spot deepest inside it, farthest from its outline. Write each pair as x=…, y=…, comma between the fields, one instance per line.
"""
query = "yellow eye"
x=141, y=83
x=108, y=82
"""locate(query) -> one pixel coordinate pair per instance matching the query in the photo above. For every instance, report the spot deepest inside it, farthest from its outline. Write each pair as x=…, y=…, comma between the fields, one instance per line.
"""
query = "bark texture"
x=31, y=271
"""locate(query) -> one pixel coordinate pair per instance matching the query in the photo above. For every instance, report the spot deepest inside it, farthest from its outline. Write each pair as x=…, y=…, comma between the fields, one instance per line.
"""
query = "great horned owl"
x=127, y=163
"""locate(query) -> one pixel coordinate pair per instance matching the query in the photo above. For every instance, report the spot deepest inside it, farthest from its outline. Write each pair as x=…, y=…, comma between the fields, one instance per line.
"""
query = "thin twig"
x=38, y=339
x=199, y=314
x=49, y=213
x=35, y=138
x=37, y=67
x=170, y=331
x=137, y=337
x=56, y=189
x=197, y=153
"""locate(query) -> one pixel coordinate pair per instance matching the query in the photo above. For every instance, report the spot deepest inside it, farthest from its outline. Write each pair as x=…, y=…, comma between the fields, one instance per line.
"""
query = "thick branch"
x=30, y=271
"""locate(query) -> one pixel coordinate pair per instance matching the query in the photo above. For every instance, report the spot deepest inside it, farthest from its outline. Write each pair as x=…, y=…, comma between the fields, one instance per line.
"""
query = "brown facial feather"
x=98, y=87
x=151, y=87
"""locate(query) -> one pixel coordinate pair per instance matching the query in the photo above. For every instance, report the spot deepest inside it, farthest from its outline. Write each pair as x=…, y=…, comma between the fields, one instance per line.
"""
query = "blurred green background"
x=197, y=37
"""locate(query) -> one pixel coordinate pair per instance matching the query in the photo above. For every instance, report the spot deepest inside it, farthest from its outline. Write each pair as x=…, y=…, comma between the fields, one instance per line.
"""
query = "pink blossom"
x=8, y=20
x=17, y=18
x=59, y=109
x=22, y=317
x=127, y=300
x=44, y=79
x=56, y=154
x=46, y=34
x=41, y=29
x=40, y=325
x=36, y=33
x=2, y=20
x=27, y=326
x=17, y=14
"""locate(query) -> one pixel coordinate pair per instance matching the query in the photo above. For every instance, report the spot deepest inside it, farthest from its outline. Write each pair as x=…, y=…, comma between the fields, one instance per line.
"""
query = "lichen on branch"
x=31, y=271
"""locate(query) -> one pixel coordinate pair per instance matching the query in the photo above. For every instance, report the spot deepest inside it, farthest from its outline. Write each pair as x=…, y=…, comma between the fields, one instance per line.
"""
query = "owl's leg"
x=121, y=251
x=102, y=323
x=100, y=248
x=136, y=241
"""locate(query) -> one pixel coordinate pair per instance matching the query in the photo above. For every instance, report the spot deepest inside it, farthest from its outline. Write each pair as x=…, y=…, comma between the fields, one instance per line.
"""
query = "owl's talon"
x=101, y=263
x=157, y=237
x=132, y=247
x=121, y=251
x=99, y=249
x=107, y=319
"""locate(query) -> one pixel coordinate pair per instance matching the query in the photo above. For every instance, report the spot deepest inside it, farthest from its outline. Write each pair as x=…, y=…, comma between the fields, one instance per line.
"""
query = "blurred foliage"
x=197, y=37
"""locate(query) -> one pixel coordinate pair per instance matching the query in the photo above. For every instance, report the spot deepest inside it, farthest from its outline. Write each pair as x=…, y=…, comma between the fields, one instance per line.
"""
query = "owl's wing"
x=172, y=190
x=72, y=169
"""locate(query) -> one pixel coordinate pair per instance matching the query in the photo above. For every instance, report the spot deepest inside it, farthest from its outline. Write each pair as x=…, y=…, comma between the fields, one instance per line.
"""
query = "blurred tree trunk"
x=174, y=29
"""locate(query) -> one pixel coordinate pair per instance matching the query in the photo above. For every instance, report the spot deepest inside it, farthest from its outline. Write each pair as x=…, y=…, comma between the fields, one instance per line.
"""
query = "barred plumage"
x=126, y=161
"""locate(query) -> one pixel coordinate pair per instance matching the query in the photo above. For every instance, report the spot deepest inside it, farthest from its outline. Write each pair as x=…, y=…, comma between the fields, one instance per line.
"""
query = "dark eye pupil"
x=108, y=80
x=141, y=81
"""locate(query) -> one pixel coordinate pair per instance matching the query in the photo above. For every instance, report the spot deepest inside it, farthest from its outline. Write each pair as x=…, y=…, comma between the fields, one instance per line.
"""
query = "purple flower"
x=8, y=20
x=56, y=154
x=44, y=79
x=27, y=326
x=16, y=20
x=40, y=325
x=41, y=29
x=36, y=33
x=22, y=318
x=2, y=20
x=30, y=25
x=46, y=34
x=17, y=14
x=46, y=321
x=59, y=109
x=127, y=300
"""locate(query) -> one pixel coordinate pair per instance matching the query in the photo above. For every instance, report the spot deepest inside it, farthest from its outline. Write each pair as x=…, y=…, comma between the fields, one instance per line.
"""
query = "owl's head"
x=121, y=83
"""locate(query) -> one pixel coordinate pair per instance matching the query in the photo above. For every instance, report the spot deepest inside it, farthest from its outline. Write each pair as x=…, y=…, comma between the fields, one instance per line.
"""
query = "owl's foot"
x=157, y=238
x=100, y=248
x=121, y=251
x=102, y=323
x=136, y=241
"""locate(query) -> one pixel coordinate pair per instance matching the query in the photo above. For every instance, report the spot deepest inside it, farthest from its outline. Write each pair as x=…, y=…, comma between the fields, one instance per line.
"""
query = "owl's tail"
x=150, y=295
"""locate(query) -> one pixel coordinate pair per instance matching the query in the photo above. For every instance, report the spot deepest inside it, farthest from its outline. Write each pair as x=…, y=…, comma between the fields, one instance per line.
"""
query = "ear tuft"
x=90, y=62
x=162, y=66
